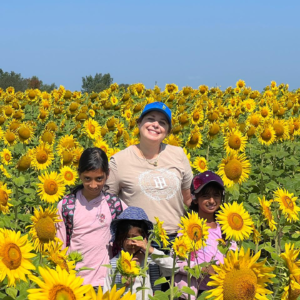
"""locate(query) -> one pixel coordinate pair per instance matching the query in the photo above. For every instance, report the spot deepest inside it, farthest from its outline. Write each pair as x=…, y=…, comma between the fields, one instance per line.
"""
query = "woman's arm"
x=187, y=198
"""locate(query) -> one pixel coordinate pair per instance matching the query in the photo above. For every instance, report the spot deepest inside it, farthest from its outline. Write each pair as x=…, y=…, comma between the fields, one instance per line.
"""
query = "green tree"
x=13, y=79
x=96, y=84
x=47, y=87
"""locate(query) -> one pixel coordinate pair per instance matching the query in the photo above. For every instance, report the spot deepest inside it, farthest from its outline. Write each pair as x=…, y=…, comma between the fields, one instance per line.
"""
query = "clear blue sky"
x=183, y=42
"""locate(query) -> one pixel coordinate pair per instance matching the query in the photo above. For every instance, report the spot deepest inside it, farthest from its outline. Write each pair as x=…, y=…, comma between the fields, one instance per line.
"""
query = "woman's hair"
x=92, y=159
x=212, y=186
x=140, y=119
x=125, y=225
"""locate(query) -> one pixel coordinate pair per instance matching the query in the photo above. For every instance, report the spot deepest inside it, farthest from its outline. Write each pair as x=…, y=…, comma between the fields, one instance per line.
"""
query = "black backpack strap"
x=68, y=209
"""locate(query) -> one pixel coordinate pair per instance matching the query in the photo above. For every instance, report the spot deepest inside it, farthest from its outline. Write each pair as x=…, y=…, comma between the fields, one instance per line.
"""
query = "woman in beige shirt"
x=151, y=175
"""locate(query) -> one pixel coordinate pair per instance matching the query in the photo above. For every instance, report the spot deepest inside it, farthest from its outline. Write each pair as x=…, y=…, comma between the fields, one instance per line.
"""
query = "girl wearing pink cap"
x=208, y=193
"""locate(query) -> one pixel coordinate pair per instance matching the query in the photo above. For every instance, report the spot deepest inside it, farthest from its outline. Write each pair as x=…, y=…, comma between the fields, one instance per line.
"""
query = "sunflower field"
x=250, y=138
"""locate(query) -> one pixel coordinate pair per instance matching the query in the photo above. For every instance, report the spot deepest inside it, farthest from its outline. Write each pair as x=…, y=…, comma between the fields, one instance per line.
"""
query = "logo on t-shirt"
x=159, y=184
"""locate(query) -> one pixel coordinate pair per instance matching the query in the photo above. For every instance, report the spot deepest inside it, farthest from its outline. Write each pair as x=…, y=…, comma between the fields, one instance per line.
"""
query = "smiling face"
x=154, y=127
x=209, y=200
x=93, y=182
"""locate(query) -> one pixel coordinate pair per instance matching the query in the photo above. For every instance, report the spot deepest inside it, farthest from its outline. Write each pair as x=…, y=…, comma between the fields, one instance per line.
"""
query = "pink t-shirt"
x=91, y=236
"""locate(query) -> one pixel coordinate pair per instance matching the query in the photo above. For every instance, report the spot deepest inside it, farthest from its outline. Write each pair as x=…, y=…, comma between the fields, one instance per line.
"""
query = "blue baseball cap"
x=158, y=106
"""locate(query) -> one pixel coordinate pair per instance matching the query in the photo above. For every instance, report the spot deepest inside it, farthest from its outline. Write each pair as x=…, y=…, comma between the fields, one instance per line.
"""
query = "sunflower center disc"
x=293, y=294
x=67, y=157
x=61, y=292
x=279, y=130
x=47, y=137
x=233, y=169
x=240, y=285
x=7, y=157
x=202, y=165
x=287, y=202
x=31, y=94
x=195, y=233
x=266, y=135
x=3, y=197
x=68, y=176
x=264, y=113
x=42, y=156
x=12, y=256
x=235, y=221
x=45, y=229
x=92, y=129
x=194, y=139
x=214, y=129
x=10, y=137
x=50, y=187
x=234, y=142
x=24, y=133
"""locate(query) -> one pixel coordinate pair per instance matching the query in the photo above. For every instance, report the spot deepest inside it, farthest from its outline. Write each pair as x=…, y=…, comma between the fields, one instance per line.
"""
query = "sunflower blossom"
x=235, y=221
x=265, y=205
x=114, y=294
x=160, y=233
x=126, y=266
x=195, y=230
x=241, y=277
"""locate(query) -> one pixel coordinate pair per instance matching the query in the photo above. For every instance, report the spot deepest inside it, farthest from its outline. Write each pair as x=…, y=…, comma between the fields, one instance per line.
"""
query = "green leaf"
x=142, y=288
x=137, y=238
x=188, y=290
x=85, y=269
x=160, y=281
x=106, y=266
x=204, y=295
x=19, y=181
x=12, y=292
x=154, y=256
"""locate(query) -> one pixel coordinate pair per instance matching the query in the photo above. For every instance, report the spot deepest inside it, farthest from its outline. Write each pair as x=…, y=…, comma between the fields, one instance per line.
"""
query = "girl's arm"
x=60, y=227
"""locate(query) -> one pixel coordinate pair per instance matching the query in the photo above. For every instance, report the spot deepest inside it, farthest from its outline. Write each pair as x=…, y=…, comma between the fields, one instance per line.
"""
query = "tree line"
x=90, y=83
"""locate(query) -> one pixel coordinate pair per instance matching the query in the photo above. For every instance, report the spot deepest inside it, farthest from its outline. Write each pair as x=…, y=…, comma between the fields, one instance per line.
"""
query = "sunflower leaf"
x=188, y=290
x=137, y=238
x=160, y=281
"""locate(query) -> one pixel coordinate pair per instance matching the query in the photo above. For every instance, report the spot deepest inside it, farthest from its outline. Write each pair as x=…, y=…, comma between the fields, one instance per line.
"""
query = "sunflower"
x=51, y=188
x=43, y=228
x=92, y=129
x=76, y=154
x=234, y=142
x=4, y=172
x=4, y=198
x=213, y=130
x=195, y=139
x=194, y=229
x=241, y=277
x=102, y=145
x=69, y=175
x=171, y=88
x=160, y=232
x=59, y=257
x=235, y=221
x=249, y=105
x=266, y=210
x=24, y=162
x=203, y=89
x=6, y=156
x=181, y=247
x=51, y=126
x=58, y=284
x=234, y=169
x=8, y=111
x=25, y=133
x=126, y=266
x=266, y=134
x=42, y=156
x=240, y=84
x=127, y=114
x=67, y=142
x=174, y=140
x=10, y=137
x=47, y=137
x=15, y=256
x=200, y=164
x=197, y=116
x=254, y=119
x=287, y=204
x=256, y=236
x=281, y=129
x=114, y=294
x=292, y=291
x=111, y=123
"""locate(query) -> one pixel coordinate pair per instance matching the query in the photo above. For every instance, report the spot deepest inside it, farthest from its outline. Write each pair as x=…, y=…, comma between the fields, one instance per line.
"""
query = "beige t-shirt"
x=157, y=190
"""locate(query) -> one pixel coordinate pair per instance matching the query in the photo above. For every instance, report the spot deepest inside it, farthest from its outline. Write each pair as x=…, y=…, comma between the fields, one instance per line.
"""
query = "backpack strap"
x=114, y=204
x=68, y=208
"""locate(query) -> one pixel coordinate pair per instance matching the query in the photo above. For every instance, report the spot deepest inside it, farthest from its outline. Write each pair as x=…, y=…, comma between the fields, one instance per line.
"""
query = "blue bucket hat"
x=130, y=213
x=158, y=106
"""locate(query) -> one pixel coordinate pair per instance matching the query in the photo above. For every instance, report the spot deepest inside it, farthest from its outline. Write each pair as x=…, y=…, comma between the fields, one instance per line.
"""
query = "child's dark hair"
x=123, y=228
x=210, y=186
x=92, y=159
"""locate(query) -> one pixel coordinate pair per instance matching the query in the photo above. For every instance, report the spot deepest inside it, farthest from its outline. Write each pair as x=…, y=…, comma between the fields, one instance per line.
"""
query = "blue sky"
x=184, y=42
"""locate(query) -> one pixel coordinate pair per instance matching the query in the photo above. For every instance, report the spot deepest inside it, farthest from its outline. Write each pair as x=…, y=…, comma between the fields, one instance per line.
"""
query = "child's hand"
x=128, y=281
x=142, y=245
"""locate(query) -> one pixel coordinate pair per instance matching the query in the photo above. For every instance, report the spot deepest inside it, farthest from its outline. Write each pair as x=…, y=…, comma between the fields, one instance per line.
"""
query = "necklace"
x=155, y=163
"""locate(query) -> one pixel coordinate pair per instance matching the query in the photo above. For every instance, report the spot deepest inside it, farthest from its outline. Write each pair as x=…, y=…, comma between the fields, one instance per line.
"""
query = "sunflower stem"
x=172, y=278
x=114, y=278
x=145, y=264
x=189, y=275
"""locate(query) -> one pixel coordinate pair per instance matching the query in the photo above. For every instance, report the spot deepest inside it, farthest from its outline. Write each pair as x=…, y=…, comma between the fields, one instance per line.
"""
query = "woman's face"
x=154, y=127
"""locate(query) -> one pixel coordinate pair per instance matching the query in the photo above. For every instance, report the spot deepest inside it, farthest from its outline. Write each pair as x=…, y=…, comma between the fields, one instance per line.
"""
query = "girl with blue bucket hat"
x=134, y=222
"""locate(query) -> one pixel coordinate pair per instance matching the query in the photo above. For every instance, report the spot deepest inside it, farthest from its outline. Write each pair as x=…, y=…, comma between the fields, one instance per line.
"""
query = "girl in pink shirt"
x=208, y=193
x=87, y=213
